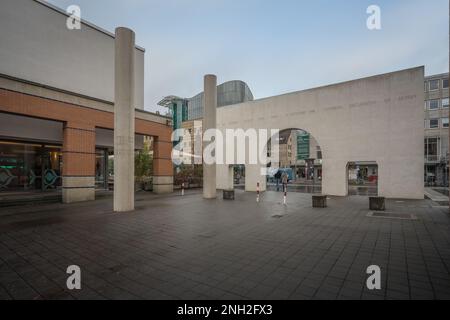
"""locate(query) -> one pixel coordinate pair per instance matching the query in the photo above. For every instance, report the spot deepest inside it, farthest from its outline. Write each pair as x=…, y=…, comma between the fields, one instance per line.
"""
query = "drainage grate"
x=392, y=215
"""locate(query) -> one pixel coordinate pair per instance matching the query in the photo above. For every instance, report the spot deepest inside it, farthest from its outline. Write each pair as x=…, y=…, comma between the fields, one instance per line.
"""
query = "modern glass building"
x=187, y=109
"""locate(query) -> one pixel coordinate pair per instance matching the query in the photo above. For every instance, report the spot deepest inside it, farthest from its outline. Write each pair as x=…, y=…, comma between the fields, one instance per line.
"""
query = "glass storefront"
x=33, y=167
x=38, y=167
x=101, y=171
x=29, y=167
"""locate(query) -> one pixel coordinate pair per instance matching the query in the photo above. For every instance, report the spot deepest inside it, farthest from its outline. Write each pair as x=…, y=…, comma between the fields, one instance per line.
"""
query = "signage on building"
x=303, y=151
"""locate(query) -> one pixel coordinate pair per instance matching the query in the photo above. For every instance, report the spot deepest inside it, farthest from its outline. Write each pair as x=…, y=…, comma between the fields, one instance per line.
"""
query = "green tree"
x=143, y=163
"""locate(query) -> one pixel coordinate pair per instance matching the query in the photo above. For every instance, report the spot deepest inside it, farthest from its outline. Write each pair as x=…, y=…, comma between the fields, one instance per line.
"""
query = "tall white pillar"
x=124, y=120
x=209, y=122
x=253, y=176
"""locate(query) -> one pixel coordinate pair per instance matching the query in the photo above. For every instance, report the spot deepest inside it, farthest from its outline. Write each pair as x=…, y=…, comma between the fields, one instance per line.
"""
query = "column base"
x=162, y=184
x=78, y=189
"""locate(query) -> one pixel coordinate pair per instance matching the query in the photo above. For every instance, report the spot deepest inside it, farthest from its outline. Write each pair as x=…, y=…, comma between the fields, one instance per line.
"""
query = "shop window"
x=29, y=167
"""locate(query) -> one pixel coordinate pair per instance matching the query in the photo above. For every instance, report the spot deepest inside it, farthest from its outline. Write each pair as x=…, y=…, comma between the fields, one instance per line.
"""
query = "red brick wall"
x=78, y=143
x=78, y=150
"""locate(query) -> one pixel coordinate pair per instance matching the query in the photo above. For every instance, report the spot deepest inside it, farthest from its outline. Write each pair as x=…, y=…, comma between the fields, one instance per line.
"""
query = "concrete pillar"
x=124, y=120
x=209, y=122
x=78, y=173
x=334, y=177
x=225, y=177
x=253, y=175
x=162, y=165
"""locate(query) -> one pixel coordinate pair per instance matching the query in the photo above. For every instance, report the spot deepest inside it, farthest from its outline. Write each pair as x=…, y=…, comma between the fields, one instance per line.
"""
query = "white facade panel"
x=37, y=46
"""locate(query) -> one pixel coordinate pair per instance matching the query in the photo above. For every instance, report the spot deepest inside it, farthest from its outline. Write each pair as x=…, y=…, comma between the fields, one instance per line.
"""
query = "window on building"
x=433, y=104
x=445, y=103
x=434, y=124
x=319, y=153
x=444, y=122
x=434, y=85
x=432, y=149
x=445, y=83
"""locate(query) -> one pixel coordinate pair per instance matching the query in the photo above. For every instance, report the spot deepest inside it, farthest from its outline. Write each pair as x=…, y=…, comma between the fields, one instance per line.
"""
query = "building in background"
x=57, y=105
x=187, y=113
x=436, y=130
x=188, y=109
x=299, y=151
x=285, y=149
x=192, y=142
x=306, y=156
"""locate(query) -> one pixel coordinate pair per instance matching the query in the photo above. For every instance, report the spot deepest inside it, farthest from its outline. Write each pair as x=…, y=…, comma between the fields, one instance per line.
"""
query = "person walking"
x=284, y=181
x=277, y=178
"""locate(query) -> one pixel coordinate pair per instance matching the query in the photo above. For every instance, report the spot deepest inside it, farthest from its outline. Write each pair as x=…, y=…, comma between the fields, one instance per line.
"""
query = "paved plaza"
x=175, y=247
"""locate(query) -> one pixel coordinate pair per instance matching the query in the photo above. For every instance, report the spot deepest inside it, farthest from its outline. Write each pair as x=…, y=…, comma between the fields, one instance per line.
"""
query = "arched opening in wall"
x=299, y=160
x=362, y=178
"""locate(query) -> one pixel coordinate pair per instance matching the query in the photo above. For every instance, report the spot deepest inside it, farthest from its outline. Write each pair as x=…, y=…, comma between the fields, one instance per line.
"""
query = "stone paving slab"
x=176, y=247
x=435, y=196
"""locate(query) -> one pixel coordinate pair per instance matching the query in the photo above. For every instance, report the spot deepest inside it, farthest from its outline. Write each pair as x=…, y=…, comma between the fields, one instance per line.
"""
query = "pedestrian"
x=284, y=181
x=277, y=178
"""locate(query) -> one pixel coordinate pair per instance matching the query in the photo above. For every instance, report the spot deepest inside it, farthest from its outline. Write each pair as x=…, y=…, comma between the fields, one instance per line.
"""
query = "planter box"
x=377, y=203
x=319, y=201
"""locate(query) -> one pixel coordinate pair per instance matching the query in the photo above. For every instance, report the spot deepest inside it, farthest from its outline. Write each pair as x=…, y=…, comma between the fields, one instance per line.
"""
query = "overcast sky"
x=276, y=46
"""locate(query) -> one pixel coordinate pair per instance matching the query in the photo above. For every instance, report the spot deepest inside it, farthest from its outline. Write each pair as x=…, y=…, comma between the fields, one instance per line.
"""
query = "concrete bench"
x=228, y=194
x=377, y=203
x=319, y=201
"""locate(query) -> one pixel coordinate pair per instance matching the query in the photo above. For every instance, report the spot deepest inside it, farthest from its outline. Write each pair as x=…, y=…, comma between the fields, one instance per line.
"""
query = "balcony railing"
x=436, y=159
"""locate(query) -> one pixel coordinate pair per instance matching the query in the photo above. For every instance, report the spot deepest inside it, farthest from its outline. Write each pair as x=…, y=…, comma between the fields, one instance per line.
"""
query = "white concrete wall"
x=373, y=119
x=36, y=46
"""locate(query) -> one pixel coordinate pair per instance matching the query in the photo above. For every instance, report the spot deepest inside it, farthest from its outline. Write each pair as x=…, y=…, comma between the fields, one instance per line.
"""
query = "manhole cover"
x=392, y=215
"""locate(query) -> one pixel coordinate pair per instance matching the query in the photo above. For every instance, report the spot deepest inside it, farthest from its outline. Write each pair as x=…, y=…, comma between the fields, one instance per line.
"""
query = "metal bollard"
x=285, y=195
x=182, y=189
x=257, y=192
